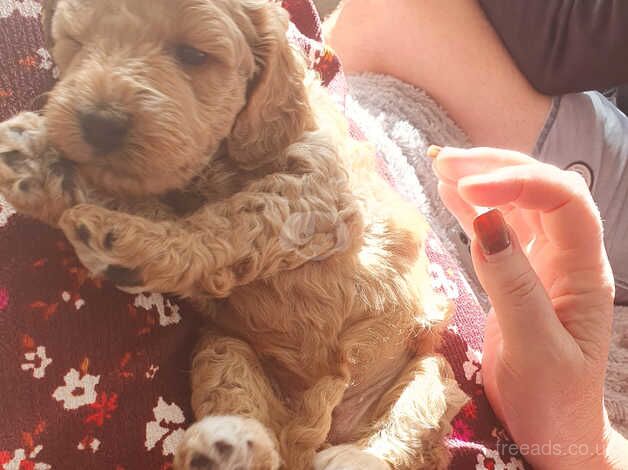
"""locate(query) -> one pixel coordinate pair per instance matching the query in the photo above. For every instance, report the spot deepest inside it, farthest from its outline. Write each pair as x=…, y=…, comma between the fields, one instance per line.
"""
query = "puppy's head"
x=150, y=89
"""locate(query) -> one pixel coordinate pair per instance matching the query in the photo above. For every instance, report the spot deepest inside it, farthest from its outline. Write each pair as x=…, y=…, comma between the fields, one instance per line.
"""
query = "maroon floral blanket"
x=92, y=378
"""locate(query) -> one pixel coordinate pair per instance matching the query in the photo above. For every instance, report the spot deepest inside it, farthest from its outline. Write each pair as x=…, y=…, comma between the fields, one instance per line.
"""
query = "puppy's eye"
x=190, y=56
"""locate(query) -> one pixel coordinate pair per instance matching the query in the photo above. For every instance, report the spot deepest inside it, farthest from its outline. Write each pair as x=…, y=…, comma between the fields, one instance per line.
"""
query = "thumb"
x=524, y=311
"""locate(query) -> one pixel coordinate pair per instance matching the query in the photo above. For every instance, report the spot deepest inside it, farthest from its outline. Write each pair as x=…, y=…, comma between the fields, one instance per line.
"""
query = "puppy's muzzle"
x=105, y=129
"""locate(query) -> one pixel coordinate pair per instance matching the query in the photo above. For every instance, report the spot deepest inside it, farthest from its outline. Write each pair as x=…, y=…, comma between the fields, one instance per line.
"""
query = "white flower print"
x=472, y=365
x=19, y=456
x=46, y=62
x=91, y=444
x=496, y=462
x=165, y=414
x=6, y=211
x=78, y=303
x=46, y=59
x=168, y=311
x=39, y=371
x=78, y=391
x=27, y=8
x=152, y=372
x=172, y=441
x=441, y=281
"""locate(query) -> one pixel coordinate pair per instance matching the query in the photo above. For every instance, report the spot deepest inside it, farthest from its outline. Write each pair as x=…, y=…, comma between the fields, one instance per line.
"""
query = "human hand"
x=551, y=287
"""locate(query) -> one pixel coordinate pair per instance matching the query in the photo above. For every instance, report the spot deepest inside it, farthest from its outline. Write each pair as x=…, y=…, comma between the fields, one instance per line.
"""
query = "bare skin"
x=460, y=62
x=551, y=287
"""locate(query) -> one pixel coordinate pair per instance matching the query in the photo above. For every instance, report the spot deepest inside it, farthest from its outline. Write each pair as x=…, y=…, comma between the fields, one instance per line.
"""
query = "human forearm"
x=450, y=50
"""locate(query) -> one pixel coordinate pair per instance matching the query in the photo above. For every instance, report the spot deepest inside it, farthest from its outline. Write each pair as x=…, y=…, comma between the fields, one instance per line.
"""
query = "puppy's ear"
x=277, y=110
x=47, y=12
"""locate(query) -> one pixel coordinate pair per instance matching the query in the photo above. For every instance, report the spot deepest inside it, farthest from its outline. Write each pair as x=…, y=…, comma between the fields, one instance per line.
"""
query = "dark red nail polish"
x=492, y=232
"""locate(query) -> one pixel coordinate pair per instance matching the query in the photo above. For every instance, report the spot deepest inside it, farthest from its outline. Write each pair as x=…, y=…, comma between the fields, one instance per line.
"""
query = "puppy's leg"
x=250, y=236
x=237, y=405
x=309, y=428
x=240, y=415
x=348, y=457
x=414, y=418
x=33, y=178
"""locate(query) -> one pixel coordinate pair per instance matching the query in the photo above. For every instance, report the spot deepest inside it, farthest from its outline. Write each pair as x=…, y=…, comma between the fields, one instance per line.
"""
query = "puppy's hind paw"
x=227, y=443
x=348, y=457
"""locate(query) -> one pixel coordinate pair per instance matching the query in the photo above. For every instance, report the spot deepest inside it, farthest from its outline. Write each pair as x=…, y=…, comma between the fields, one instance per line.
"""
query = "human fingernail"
x=433, y=151
x=492, y=232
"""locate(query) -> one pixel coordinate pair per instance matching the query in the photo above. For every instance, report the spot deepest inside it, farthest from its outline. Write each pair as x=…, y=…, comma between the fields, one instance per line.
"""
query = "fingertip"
x=442, y=177
x=437, y=151
x=433, y=151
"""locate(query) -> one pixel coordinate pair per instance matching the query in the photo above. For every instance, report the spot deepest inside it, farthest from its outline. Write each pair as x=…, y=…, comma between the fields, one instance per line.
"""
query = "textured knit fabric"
x=92, y=378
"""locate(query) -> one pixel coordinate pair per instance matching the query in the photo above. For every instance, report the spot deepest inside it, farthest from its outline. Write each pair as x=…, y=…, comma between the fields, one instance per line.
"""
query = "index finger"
x=454, y=164
x=569, y=216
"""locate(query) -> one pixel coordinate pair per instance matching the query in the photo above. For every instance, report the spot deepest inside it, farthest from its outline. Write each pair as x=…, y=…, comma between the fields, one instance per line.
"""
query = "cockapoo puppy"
x=186, y=150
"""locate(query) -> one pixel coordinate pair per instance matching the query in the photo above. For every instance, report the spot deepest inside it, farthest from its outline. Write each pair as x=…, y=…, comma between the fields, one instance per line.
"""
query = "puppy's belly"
x=348, y=417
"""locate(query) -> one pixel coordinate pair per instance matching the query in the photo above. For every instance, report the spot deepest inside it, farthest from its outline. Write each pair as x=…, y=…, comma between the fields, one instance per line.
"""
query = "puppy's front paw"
x=25, y=132
x=41, y=189
x=348, y=457
x=227, y=443
x=108, y=243
x=33, y=178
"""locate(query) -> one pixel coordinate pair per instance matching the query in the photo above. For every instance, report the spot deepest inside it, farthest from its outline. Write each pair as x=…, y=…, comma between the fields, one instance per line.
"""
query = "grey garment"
x=586, y=133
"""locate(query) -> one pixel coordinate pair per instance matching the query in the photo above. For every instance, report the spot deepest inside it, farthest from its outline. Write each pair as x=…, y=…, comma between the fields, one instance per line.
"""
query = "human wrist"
x=603, y=448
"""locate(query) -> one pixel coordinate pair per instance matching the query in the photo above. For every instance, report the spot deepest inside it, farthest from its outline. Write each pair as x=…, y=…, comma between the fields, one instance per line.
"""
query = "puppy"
x=186, y=150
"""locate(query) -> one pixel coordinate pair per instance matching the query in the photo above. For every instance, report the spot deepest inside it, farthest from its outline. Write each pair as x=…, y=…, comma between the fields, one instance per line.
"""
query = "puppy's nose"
x=104, y=129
